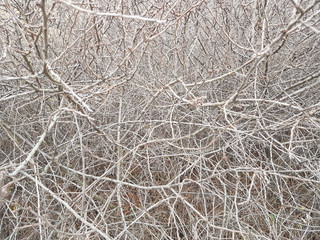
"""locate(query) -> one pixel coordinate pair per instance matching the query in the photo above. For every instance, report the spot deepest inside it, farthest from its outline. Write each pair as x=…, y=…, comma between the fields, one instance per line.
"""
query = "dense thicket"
x=160, y=119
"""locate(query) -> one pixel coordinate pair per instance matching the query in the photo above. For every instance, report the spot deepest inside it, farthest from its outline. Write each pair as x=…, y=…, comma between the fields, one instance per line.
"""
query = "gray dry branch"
x=160, y=119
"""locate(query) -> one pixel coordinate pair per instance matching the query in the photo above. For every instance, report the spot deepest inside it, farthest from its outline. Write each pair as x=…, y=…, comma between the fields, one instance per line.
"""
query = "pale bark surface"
x=160, y=119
